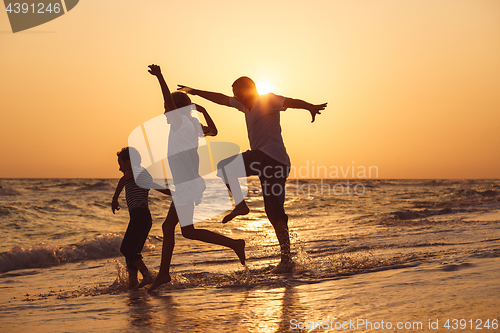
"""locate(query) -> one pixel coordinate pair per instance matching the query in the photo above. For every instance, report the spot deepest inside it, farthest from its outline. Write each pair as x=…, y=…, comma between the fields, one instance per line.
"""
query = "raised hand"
x=154, y=70
x=315, y=110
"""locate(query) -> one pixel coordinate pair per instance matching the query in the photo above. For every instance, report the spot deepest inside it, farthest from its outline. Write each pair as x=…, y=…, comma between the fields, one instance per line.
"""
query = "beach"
x=405, y=256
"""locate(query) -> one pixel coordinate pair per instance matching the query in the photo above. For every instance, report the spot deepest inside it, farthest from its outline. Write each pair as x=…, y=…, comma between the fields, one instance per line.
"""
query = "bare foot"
x=240, y=250
x=159, y=281
x=238, y=210
x=146, y=279
x=283, y=267
x=132, y=284
x=132, y=279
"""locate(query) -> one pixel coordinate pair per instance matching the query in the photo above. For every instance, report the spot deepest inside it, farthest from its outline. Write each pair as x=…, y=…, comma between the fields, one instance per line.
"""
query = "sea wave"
x=475, y=193
x=409, y=214
x=464, y=198
x=100, y=186
x=43, y=255
x=9, y=192
x=6, y=210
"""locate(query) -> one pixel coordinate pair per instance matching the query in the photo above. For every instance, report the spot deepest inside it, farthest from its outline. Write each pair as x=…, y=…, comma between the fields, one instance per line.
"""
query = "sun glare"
x=263, y=88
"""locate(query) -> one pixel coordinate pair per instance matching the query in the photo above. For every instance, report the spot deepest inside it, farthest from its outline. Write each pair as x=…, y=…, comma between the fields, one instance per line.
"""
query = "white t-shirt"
x=263, y=125
x=184, y=163
x=186, y=137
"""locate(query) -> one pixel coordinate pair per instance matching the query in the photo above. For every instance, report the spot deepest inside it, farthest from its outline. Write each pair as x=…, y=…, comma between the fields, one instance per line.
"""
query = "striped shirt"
x=137, y=188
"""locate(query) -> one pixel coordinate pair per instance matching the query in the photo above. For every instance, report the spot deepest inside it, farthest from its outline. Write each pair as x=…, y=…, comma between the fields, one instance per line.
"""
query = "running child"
x=136, y=194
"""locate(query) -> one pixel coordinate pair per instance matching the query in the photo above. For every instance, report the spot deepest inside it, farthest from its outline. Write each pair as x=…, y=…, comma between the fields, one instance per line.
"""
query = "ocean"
x=371, y=255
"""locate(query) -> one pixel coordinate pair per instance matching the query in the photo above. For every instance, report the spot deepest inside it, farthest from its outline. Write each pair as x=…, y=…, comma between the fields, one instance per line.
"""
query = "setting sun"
x=373, y=64
x=282, y=161
x=263, y=88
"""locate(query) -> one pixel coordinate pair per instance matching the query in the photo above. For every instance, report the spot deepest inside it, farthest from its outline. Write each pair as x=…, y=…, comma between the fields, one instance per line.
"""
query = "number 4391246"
x=38, y=8
x=477, y=324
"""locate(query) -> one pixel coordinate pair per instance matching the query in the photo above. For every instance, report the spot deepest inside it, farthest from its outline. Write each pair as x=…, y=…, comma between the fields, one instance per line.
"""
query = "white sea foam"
x=42, y=255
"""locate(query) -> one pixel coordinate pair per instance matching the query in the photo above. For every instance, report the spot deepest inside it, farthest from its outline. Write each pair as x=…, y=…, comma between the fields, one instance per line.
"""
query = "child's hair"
x=181, y=99
x=125, y=153
x=244, y=82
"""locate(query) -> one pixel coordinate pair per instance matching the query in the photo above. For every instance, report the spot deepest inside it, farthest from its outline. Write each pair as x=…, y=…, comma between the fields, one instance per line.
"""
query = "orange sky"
x=412, y=86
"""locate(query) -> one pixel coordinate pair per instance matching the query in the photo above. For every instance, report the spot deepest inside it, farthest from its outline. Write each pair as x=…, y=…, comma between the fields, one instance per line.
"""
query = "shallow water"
x=417, y=249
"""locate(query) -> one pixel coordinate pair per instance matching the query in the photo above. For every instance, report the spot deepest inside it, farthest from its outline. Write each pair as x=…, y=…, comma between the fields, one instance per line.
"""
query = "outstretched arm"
x=167, y=97
x=300, y=104
x=210, y=129
x=217, y=98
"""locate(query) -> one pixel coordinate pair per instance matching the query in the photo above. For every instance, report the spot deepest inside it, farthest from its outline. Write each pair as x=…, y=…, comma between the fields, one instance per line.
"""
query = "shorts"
x=136, y=235
x=272, y=175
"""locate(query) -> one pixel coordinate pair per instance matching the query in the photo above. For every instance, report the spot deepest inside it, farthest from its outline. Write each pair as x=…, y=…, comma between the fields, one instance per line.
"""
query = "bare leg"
x=167, y=249
x=147, y=278
x=132, y=278
x=241, y=207
x=234, y=187
x=281, y=230
x=189, y=232
x=286, y=264
x=207, y=236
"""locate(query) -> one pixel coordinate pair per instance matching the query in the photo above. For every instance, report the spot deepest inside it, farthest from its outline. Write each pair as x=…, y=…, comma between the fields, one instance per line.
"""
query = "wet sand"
x=417, y=294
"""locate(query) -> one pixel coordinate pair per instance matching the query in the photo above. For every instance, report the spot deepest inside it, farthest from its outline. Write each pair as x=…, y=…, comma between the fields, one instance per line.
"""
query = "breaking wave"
x=42, y=255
